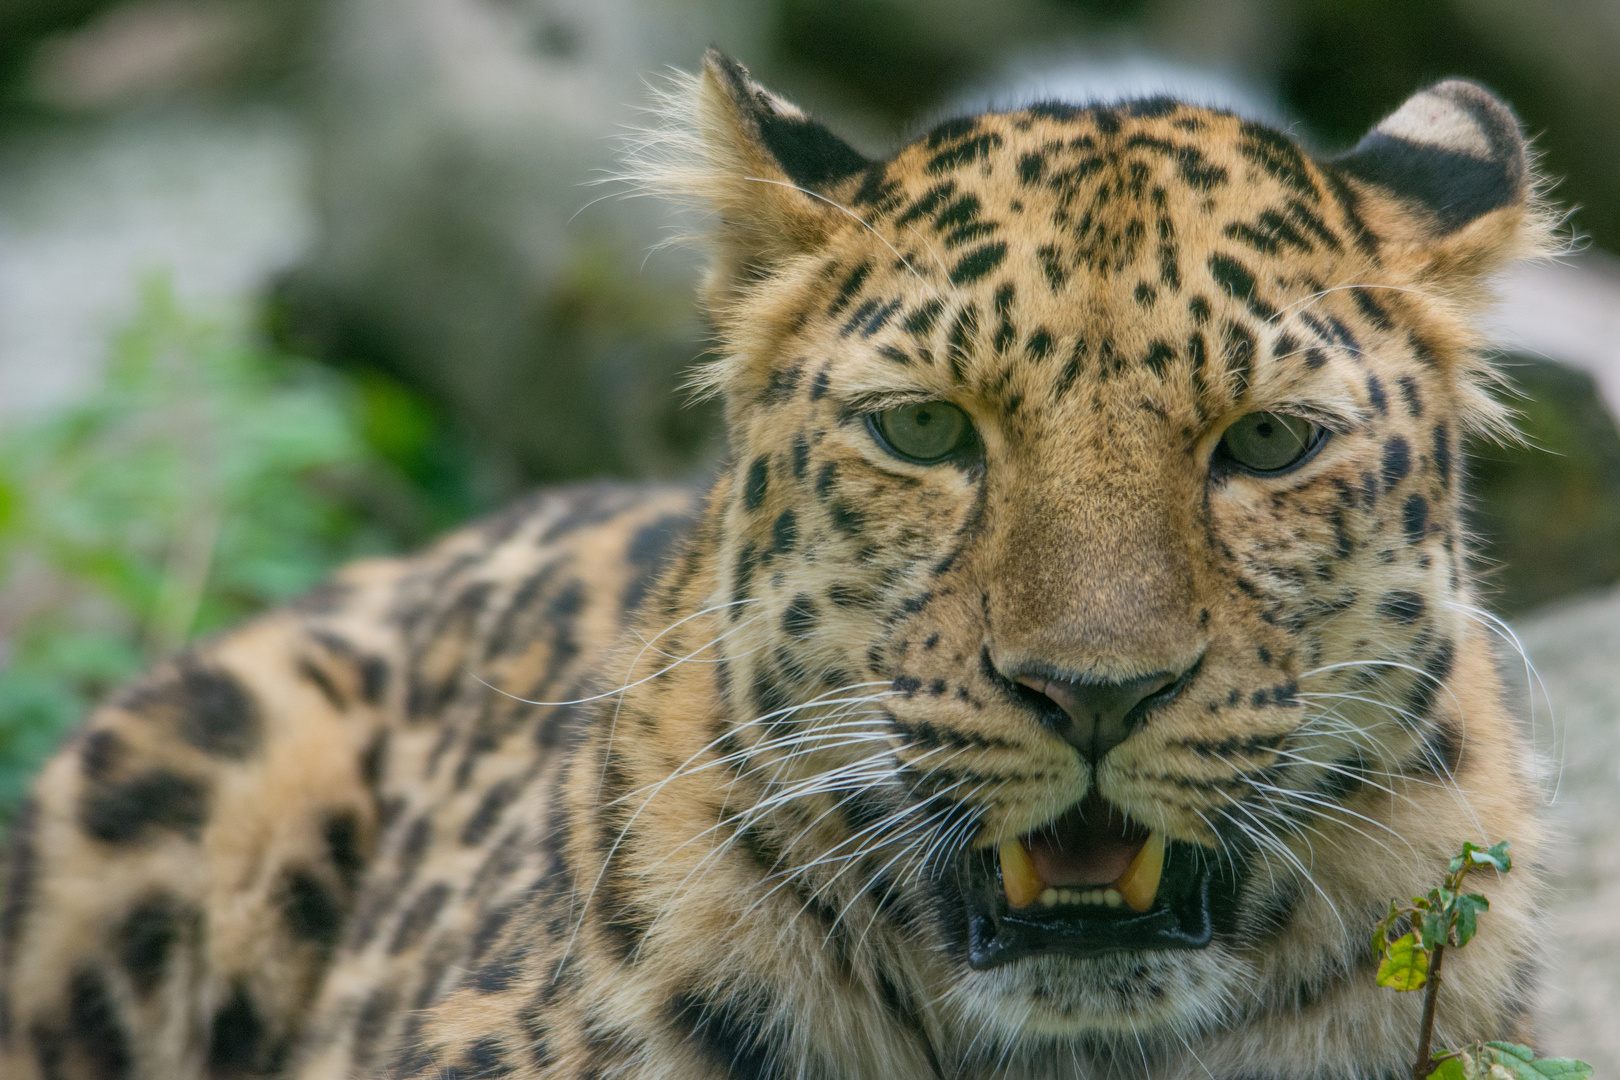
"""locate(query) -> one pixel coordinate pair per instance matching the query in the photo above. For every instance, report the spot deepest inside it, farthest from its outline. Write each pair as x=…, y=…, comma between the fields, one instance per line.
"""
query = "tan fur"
x=619, y=784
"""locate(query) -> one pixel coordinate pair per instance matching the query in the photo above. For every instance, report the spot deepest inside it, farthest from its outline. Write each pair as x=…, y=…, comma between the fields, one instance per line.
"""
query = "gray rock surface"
x=211, y=196
x=456, y=145
x=1576, y=650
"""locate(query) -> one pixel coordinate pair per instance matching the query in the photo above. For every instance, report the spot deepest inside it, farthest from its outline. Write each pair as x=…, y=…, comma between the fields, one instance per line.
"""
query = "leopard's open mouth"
x=1089, y=883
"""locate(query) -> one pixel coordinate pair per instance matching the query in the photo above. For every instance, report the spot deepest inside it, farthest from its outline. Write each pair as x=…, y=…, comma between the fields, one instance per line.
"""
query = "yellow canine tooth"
x=1139, y=884
x=1018, y=876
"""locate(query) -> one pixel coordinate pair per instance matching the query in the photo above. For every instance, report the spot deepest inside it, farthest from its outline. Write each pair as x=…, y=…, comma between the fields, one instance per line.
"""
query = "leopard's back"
x=275, y=852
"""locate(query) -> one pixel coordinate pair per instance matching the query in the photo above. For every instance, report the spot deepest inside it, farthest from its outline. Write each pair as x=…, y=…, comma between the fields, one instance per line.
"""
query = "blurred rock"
x=144, y=50
x=456, y=146
x=1566, y=309
x=1576, y=650
x=98, y=56
x=210, y=197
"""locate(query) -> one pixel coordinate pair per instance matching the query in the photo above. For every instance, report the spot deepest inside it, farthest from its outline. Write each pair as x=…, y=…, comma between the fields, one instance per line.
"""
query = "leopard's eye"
x=1268, y=442
x=925, y=432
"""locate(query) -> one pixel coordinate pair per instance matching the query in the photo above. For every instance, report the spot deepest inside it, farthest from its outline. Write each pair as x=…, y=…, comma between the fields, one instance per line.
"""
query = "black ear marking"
x=1453, y=148
x=810, y=154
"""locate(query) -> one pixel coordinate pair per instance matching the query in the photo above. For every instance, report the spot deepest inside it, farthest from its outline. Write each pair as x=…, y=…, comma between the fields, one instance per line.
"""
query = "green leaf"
x=1468, y=909
x=1405, y=965
x=1449, y=1069
x=1434, y=927
x=1523, y=1063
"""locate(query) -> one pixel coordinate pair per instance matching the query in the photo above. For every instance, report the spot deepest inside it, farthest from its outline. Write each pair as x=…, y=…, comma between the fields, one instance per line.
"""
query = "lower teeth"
x=1094, y=897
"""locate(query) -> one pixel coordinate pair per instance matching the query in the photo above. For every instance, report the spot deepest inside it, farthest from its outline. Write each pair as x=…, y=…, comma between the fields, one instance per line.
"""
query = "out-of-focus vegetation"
x=205, y=479
x=1547, y=511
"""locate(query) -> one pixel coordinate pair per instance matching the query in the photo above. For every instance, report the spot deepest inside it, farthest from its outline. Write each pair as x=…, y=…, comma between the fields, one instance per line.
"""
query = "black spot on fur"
x=235, y=1040
x=1402, y=605
x=373, y=678
x=1397, y=462
x=650, y=550
x=800, y=617
x=731, y=1035
x=496, y=974
x=1415, y=518
x=93, y=1024
x=742, y=587
x=1278, y=156
x=850, y=287
x=1428, y=686
x=1376, y=396
x=317, y=678
x=846, y=520
x=370, y=1025
x=215, y=712
x=1442, y=453
x=1443, y=749
x=977, y=263
x=964, y=153
x=341, y=830
x=482, y=1060
x=758, y=478
x=801, y=456
x=782, y=383
x=1158, y=357
x=921, y=321
x=419, y=917
x=490, y=808
x=311, y=911
x=118, y=813
x=825, y=479
x=784, y=532
x=1238, y=281
x=1370, y=308
x=1409, y=393
x=1237, y=352
x=147, y=935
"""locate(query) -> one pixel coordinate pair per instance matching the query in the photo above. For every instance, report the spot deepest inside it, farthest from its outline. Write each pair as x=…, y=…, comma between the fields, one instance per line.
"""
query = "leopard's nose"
x=1094, y=717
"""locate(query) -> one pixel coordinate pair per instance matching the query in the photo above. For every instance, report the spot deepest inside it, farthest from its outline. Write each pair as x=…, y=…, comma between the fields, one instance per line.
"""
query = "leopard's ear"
x=1448, y=181
x=755, y=161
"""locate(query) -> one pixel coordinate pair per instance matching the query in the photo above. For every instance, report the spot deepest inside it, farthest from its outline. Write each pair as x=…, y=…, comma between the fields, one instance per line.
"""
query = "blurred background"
x=287, y=281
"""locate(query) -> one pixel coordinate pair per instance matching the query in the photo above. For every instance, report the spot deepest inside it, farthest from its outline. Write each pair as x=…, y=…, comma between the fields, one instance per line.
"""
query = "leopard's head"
x=1090, y=548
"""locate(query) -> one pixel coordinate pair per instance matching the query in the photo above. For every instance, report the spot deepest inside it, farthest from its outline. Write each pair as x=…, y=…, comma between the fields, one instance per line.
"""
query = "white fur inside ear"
x=1438, y=120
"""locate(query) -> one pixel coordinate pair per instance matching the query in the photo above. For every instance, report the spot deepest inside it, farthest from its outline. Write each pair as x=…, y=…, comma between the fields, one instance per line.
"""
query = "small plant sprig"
x=1410, y=961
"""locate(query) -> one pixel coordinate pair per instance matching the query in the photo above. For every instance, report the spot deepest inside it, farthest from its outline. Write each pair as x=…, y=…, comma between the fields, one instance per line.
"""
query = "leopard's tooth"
x=1019, y=877
x=1139, y=884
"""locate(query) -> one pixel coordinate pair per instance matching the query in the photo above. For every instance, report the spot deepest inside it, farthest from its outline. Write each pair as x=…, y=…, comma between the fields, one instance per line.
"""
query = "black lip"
x=1183, y=916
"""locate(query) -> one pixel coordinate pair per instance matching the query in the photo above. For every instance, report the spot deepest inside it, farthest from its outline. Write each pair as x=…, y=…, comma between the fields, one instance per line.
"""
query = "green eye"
x=1268, y=442
x=925, y=432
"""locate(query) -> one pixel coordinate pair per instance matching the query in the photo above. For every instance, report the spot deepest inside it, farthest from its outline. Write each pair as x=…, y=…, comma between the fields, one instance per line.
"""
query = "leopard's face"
x=1097, y=473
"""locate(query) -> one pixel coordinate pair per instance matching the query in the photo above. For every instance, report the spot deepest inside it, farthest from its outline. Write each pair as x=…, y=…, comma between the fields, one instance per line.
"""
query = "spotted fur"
x=643, y=782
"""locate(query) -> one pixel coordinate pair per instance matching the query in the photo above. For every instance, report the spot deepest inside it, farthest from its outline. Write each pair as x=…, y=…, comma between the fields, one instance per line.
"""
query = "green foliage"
x=1405, y=965
x=203, y=480
x=1411, y=960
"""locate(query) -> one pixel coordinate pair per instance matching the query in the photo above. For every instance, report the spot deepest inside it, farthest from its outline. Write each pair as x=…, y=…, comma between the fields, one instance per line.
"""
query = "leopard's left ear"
x=1449, y=182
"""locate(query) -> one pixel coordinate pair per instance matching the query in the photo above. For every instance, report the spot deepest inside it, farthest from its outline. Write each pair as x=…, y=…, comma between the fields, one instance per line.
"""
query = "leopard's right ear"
x=753, y=159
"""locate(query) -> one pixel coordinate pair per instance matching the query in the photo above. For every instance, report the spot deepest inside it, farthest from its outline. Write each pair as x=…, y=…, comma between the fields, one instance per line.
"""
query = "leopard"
x=1077, y=647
